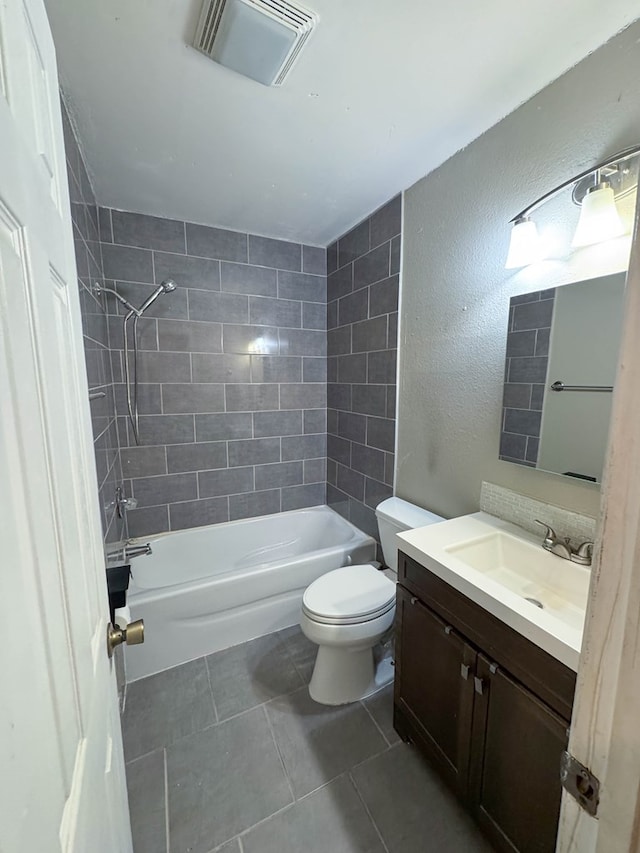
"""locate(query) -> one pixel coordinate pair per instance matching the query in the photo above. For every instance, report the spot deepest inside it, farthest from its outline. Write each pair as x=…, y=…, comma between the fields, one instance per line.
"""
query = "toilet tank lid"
x=406, y=514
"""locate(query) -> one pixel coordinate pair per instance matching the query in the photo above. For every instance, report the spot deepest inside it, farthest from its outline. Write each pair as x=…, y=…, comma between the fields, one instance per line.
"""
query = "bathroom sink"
x=505, y=570
x=556, y=586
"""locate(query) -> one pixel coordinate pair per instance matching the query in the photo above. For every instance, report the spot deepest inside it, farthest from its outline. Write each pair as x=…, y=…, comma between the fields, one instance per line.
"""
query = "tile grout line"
x=368, y=812
x=284, y=809
x=129, y=761
x=255, y=825
x=166, y=799
x=375, y=755
x=285, y=640
x=277, y=748
x=375, y=722
x=213, y=701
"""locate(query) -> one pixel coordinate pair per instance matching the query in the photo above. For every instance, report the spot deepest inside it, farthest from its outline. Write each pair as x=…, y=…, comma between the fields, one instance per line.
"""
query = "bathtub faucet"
x=131, y=551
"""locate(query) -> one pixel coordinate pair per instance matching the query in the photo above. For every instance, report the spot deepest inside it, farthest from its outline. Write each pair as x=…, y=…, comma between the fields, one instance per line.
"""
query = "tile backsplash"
x=522, y=510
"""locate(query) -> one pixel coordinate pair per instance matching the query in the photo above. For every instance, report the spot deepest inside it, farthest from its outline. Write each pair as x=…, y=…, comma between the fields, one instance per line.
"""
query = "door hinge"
x=580, y=782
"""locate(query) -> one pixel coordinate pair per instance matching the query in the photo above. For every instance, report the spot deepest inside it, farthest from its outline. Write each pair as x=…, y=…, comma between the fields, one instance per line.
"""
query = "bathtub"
x=208, y=588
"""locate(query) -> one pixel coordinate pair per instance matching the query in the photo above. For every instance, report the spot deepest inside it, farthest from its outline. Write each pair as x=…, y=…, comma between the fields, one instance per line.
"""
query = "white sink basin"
x=506, y=571
x=530, y=572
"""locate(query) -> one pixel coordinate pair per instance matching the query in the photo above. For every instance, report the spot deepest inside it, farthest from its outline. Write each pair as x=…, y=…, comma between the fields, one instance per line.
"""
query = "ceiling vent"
x=258, y=38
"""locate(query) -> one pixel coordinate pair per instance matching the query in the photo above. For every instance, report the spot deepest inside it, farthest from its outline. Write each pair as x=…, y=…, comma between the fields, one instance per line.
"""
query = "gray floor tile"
x=303, y=652
x=380, y=706
x=229, y=847
x=331, y=820
x=248, y=675
x=222, y=781
x=167, y=706
x=412, y=808
x=317, y=742
x=145, y=784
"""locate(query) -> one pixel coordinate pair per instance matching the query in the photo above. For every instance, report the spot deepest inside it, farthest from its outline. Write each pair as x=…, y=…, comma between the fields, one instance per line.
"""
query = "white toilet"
x=347, y=611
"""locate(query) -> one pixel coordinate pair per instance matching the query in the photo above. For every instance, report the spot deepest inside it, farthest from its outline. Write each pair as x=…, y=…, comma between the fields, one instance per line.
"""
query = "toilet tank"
x=394, y=516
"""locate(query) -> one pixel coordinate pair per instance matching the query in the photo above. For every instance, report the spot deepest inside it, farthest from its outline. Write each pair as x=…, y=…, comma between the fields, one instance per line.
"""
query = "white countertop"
x=430, y=546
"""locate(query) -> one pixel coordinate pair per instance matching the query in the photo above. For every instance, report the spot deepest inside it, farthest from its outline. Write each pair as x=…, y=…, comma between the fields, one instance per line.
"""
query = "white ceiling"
x=383, y=93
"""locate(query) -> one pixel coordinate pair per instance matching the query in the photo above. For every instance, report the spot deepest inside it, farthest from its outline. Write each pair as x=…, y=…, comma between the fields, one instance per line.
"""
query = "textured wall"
x=362, y=321
x=232, y=371
x=84, y=214
x=456, y=291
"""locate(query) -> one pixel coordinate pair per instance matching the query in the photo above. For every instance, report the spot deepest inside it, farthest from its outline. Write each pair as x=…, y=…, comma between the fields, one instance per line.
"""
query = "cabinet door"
x=434, y=688
x=515, y=763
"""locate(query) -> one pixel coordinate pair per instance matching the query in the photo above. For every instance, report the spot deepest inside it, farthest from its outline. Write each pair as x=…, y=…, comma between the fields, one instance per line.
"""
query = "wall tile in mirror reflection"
x=568, y=334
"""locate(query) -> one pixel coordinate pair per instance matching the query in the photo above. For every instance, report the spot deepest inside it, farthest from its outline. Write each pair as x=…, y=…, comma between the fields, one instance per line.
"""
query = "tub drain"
x=534, y=601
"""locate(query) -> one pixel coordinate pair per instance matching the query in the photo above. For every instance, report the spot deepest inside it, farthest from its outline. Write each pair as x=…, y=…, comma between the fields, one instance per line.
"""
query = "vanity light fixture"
x=524, y=248
x=599, y=217
x=595, y=191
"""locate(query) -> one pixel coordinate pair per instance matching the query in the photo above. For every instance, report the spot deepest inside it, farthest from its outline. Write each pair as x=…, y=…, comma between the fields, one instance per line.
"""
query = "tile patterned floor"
x=229, y=754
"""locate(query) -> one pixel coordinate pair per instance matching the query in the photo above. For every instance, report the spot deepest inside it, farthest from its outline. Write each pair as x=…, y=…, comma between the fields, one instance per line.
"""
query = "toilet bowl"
x=347, y=611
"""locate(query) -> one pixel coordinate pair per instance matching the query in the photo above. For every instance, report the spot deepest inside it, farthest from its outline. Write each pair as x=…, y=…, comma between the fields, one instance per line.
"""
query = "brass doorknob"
x=132, y=635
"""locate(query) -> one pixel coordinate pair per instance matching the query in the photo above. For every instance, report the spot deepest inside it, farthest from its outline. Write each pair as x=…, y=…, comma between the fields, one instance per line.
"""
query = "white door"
x=605, y=729
x=62, y=782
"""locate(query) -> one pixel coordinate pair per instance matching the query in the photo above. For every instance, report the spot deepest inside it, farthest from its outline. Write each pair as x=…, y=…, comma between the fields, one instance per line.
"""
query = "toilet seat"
x=349, y=596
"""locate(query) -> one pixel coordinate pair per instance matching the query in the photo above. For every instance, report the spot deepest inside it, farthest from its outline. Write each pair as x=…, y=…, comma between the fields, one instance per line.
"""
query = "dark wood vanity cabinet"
x=434, y=698
x=488, y=708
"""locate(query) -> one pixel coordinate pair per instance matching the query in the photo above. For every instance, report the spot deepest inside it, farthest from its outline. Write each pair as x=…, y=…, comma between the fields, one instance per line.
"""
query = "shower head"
x=167, y=286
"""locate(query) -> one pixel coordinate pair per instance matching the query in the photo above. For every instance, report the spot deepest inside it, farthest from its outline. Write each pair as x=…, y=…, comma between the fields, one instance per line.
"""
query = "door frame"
x=605, y=729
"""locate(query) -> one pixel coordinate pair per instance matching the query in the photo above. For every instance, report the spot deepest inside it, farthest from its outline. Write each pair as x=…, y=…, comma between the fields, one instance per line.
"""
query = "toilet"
x=347, y=612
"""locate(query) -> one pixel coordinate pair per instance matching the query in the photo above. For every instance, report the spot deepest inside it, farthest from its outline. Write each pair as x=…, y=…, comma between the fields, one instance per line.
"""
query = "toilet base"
x=341, y=675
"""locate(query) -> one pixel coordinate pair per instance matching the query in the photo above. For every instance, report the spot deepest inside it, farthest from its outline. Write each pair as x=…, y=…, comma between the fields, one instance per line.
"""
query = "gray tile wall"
x=84, y=213
x=527, y=360
x=232, y=371
x=362, y=323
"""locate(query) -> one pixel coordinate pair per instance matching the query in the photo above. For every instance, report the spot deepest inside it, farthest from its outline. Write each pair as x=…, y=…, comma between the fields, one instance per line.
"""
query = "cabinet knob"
x=478, y=685
x=413, y=599
x=464, y=671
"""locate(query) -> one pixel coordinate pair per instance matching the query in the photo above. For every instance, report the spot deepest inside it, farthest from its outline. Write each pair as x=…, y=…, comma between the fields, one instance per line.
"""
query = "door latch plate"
x=580, y=782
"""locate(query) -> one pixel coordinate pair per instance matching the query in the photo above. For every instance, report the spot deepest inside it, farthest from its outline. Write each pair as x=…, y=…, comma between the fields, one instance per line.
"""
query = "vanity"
x=489, y=629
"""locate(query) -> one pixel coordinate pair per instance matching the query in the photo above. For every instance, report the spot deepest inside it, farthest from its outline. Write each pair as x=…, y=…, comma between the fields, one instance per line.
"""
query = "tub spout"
x=131, y=551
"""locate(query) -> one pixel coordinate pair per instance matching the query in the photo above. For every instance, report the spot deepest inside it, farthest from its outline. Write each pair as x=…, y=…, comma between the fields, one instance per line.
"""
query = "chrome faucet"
x=131, y=551
x=562, y=548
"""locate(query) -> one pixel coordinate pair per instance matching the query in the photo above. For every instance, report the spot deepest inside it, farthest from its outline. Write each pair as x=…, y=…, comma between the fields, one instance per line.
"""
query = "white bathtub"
x=209, y=588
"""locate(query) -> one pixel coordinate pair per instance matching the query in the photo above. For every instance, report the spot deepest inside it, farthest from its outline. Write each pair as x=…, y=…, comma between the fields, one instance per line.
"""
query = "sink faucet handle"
x=550, y=537
x=585, y=549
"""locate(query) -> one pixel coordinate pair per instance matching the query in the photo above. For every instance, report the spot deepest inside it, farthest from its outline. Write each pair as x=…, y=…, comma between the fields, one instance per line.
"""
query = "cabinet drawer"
x=546, y=677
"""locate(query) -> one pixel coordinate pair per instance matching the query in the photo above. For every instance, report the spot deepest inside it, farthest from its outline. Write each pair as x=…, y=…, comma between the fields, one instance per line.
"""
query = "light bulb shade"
x=599, y=219
x=524, y=247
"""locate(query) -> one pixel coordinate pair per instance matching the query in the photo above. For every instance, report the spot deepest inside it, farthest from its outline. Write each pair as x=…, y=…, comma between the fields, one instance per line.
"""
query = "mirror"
x=562, y=355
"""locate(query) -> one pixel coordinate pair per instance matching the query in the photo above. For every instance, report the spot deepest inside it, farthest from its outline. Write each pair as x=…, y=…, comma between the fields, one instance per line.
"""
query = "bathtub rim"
x=139, y=540
x=141, y=595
